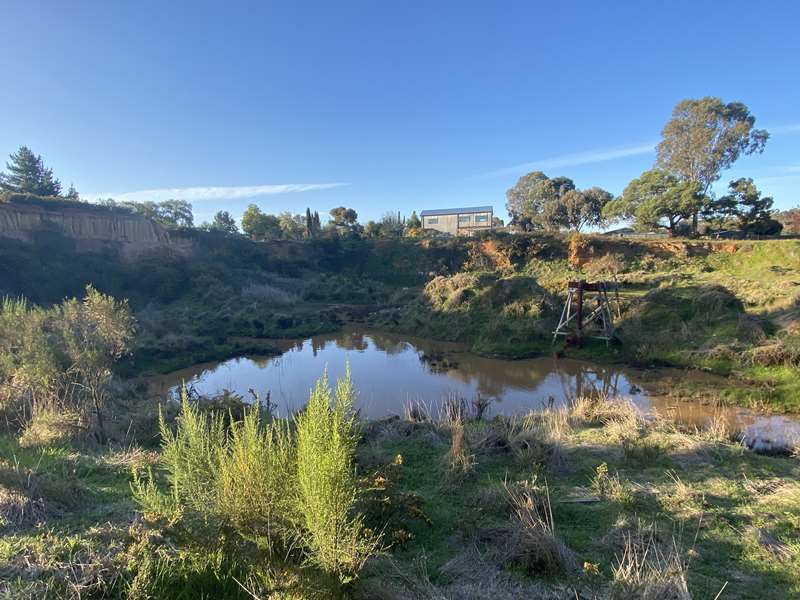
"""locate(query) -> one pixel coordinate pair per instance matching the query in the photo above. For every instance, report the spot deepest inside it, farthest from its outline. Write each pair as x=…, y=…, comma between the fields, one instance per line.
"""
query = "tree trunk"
x=101, y=430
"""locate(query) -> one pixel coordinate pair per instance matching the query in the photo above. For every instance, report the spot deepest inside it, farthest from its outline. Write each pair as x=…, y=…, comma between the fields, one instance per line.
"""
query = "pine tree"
x=72, y=194
x=28, y=175
x=309, y=222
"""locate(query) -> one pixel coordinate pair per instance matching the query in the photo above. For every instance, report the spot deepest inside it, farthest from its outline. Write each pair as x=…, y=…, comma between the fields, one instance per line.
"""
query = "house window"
x=463, y=219
x=481, y=218
x=433, y=220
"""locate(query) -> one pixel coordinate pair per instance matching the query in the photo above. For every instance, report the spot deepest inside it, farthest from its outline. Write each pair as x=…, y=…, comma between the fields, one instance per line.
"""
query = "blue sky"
x=383, y=106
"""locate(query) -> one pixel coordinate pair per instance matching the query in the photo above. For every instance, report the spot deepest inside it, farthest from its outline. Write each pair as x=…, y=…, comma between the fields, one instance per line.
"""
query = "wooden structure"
x=587, y=312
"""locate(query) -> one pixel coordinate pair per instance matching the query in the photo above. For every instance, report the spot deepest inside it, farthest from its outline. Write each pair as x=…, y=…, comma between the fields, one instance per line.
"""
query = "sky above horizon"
x=383, y=106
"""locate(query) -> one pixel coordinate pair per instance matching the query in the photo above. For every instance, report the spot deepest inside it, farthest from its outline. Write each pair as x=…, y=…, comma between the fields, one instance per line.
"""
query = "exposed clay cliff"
x=90, y=226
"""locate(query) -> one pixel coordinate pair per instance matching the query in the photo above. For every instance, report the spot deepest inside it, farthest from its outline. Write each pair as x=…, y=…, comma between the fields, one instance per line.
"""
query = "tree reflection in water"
x=391, y=371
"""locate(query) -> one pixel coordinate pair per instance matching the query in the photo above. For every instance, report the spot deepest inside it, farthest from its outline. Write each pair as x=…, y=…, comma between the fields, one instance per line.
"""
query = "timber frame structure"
x=579, y=321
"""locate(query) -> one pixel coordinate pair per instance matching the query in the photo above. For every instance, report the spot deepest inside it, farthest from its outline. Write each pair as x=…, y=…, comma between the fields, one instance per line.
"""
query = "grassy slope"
x=724, y=495
x=731, y=308
x=712, y=495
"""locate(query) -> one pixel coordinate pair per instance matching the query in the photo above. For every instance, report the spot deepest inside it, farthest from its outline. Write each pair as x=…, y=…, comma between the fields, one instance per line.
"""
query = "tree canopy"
x=224, y=222
x=344, y=216
x=170, y=213
x=753, y=211
x=27, y=174
x=260, y=226
x=656, y=199
x=539, y=202
x=704, y=137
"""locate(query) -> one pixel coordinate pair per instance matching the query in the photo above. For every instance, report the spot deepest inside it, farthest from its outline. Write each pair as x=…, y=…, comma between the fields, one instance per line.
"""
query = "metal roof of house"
x=456, y=211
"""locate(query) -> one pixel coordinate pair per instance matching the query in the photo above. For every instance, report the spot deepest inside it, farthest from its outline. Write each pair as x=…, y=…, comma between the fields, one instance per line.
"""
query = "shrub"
x=327, y=436
x=256, y=480
x=50, y=427
x=236, y=479
x=61, y=358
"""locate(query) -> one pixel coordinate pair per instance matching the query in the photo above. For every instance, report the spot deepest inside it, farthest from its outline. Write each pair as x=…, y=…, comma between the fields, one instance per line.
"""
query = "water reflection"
x=391, y=371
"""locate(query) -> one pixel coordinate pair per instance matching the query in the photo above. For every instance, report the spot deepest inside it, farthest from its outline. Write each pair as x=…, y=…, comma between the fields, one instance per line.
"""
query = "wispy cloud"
x=571, y=160
x=793, y=128
x=197, y=194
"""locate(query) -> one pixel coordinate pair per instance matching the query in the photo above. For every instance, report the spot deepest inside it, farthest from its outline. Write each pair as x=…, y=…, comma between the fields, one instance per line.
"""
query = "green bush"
x=60, y=358
x=252, y=484
x=327, y=437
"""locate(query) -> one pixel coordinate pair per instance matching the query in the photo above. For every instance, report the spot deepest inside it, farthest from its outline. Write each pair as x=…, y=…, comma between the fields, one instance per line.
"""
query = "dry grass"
x=269, y=294
x=646, y=570
x=50, y=427
x=718, y=431
x=68, y=568
x=533, y=543
x=598, y=409
x=680, y=499
x=635, y=435
x=539, y=438
x=459, y=458
x=19, y=509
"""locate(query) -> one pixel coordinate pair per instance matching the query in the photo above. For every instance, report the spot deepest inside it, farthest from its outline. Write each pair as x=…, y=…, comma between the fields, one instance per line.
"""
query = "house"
x=458, y=221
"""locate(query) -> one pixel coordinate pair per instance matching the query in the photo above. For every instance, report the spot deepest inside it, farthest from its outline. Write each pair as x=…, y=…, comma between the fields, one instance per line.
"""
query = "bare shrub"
x=480, y=404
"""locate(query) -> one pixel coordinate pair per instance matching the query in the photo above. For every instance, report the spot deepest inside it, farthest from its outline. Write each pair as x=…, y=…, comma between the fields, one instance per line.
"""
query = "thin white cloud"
x=571, y=160
x=794, y=128
x=198, y=194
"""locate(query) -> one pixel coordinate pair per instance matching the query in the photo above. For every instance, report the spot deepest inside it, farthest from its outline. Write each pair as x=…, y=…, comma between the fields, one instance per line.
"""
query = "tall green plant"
x=253, y=480
x=237, y=479
x=256, y=480
x=327, y=436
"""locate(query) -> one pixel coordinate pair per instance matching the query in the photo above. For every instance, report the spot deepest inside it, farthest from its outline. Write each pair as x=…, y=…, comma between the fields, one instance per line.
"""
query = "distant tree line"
x=702, y=139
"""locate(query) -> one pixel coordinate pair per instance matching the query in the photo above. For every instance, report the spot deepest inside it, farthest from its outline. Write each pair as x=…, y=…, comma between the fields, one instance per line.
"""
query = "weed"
x=610, y=486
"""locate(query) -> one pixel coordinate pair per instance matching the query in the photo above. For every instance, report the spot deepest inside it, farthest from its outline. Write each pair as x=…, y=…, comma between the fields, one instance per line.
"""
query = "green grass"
x=710, y=306
x=717, y=477
x=713, y=496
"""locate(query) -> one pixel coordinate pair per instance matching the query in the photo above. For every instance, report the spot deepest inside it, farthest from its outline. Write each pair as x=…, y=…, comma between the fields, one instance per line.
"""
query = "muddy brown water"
x=392, y=371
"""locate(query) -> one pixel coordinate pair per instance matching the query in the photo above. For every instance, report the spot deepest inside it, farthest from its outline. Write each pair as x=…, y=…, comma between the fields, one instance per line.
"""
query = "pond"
x=393, y=371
